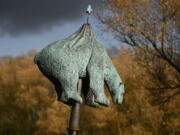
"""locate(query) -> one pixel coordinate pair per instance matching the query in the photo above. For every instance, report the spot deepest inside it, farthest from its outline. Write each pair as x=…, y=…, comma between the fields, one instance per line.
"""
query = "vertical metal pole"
x=75, y=114
x=87, y=19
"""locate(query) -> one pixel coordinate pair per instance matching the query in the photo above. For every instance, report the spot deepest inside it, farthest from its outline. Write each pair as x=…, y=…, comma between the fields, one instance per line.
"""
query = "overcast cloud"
x=30, y=16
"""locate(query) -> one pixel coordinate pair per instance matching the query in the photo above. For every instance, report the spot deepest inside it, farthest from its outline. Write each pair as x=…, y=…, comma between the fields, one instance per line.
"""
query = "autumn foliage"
x=28, y=103
x=152, y=25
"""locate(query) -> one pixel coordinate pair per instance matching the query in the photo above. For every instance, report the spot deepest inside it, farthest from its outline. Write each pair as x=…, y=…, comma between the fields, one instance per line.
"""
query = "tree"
x=28, y=104
x=151, y=27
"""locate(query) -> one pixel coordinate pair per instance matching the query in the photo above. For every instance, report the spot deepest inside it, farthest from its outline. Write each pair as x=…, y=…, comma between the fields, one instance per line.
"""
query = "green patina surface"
x=80, y=56
x=89, y=9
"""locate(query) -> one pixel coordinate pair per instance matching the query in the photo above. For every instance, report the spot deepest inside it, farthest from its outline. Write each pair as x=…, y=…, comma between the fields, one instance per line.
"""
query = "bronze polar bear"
x=80, y=56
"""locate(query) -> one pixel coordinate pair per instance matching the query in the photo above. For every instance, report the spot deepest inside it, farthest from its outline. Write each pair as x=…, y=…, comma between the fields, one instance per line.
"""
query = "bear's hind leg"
x=69, y=82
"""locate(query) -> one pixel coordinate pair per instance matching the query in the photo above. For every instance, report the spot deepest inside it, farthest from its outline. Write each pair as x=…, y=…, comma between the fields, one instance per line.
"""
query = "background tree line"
x=28, y=102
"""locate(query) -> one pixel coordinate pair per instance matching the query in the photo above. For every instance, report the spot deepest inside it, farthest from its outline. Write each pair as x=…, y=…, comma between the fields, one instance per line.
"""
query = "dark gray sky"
x=26, y=24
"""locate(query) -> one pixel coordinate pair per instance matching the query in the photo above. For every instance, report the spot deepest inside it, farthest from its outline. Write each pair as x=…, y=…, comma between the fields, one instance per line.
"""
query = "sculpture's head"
x=118, y=93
